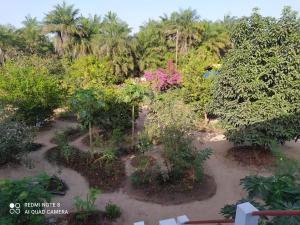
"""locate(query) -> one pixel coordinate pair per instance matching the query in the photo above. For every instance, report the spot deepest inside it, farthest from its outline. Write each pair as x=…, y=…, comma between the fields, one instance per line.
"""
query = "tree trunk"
x=132, y=128
x=206, y=118
x=176, y=54
x=91, y=137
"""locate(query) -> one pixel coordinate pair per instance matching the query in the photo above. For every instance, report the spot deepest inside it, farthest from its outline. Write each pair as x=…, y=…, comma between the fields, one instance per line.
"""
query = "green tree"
x=88, y=71
x=31, y=92
x=258, y=92
x=133, y=93
x=86, y=103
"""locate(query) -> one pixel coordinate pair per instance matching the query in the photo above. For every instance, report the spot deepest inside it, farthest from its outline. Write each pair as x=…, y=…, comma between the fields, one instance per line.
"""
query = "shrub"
x=163, y=79
x=63, y=145
x=33, y=93
x=165, y=110
x=181, y=156
x=112, y=211
x=145, y=174
x=257, y=94
x=23, y=191
x=14, y=139
x=86, y=207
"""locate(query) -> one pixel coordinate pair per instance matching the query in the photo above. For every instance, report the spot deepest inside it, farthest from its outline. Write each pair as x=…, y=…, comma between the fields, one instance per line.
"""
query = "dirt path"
x=227, y=175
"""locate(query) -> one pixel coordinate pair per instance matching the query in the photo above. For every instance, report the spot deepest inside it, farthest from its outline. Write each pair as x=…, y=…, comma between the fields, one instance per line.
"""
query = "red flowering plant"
x=162, y=79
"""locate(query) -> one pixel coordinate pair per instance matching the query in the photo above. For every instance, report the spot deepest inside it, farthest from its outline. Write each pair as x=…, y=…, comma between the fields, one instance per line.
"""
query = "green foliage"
x=31, y=92
x=196, y=89
x=112, y=211
x=258, y=91
x=63, y=145
x=146, y=173
x=277, y=192
x=88, y=71
x=86, y=103
x=144, y=142
x=180, y=154
x=26, y=190
x=14, y=140
x=117, y=113
x=86, y=207
x=168, y=110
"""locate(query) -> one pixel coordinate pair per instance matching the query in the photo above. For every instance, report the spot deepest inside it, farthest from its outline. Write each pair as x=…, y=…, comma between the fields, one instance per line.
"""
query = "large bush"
x=26, y=190
x=258, y=92
x=33, y=93
x=14, y=140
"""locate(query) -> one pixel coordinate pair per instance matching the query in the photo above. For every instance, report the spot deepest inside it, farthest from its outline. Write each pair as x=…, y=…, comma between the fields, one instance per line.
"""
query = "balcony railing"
x=246, y=214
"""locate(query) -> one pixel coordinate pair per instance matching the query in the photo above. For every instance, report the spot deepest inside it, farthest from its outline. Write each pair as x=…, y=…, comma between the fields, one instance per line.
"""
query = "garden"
x=186, y=116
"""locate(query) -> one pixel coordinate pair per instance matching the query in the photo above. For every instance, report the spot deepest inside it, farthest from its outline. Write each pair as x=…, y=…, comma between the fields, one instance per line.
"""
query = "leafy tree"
x=32, y=93
x=86, y=103
x=258, y=91
x=133, y=93
x=88, y=71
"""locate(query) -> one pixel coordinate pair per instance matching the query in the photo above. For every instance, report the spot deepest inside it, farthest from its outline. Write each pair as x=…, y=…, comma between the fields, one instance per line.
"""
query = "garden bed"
x=107, y=178
x=251, y=156
x=169, y=194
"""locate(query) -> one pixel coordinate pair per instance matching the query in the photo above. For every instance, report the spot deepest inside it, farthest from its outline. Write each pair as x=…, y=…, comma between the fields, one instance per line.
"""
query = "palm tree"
x=216, y=37
x=183, y=28
x=62, y=21
x=31, y=33
x=87, y=30
x=114, y=43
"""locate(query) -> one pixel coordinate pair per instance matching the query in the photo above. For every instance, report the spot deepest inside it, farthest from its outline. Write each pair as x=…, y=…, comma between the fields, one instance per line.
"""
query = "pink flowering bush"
x=163, y=79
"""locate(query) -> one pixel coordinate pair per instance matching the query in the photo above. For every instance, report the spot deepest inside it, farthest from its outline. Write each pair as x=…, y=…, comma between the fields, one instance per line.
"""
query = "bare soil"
x=173, y=194
x=249, y=156
x=71, y=134
x=106, y=177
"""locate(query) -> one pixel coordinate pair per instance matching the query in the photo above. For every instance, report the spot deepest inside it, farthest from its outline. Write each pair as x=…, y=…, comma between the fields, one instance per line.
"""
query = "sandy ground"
x=227, y=175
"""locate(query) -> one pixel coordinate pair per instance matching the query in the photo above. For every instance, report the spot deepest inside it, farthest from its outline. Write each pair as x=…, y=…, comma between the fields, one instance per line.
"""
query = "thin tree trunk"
x=206, y=118
x=132, y=128
x=176, y=56
x=91, y=137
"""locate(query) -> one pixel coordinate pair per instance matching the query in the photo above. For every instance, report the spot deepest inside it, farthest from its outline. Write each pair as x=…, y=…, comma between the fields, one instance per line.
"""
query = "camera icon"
x=14, y=208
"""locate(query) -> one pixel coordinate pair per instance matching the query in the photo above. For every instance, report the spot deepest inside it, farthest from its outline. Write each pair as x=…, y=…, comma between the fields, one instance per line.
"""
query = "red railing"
x=256, y=213
x=210, y=221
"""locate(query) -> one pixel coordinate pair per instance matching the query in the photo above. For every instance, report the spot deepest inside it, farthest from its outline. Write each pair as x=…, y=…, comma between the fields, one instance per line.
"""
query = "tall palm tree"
x=35, y=41
x=184, y=26
x=62, y=21
x=87, y=30
x=114, y=43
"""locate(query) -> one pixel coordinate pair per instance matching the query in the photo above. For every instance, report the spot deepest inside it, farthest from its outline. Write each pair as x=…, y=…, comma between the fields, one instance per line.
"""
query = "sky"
x=137, y=12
